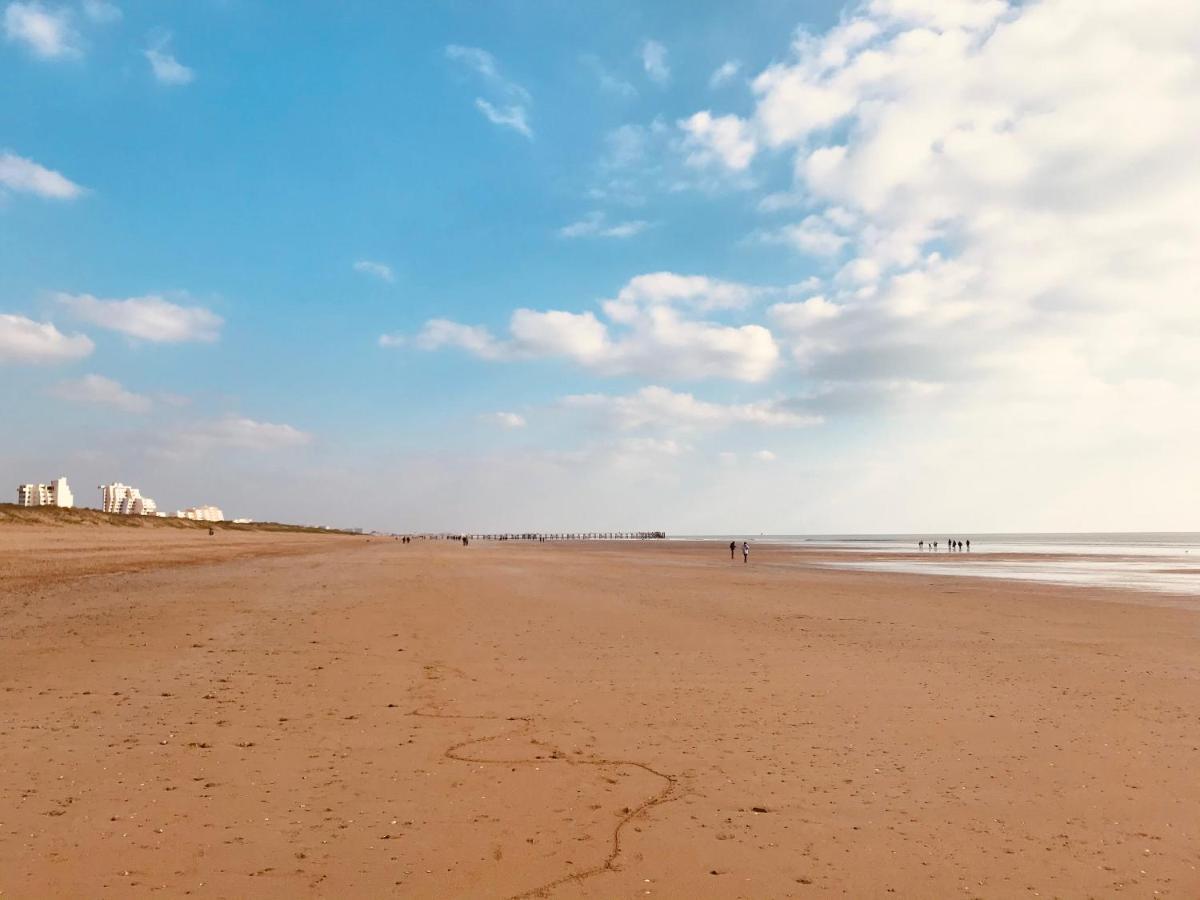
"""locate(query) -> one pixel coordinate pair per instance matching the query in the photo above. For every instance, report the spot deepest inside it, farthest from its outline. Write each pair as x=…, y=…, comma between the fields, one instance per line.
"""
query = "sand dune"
x=293, y=715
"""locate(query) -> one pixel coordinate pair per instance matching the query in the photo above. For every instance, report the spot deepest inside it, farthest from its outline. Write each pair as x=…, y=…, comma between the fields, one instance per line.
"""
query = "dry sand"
x=254, y=715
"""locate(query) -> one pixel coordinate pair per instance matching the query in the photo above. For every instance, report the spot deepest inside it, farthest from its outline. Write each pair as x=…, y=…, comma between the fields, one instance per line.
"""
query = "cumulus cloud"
x=439, y=333
x=723, y=139
x=509, y=420
x=813, y=235
x=654, y=61
x=654, y=329
x=379, y=270
x=149, y=318
x=660, y=407
x=596, y=224
x=990, y=225
x=23, y=340
x=96, y=390
x=508, y=102
x=26, y=176
x=797, y=317
x=765, y=456
x=47, y=32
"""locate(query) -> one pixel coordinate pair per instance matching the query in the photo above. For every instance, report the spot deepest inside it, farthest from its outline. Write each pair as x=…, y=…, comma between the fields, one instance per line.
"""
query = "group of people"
x=745, y=550
x=953, y=545
x=405, y=539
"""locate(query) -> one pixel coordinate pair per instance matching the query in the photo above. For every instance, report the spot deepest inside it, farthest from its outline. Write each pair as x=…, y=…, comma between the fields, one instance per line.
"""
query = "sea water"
x=1166, y=562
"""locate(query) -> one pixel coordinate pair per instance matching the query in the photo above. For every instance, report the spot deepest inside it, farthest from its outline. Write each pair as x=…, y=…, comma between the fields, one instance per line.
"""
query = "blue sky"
x=778, y=267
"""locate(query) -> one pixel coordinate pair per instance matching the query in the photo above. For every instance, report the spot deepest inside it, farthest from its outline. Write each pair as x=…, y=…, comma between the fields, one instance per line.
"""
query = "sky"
x=782, y=267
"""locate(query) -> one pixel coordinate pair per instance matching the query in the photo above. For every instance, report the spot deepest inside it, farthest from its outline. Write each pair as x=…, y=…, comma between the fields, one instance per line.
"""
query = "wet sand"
x=289, y=715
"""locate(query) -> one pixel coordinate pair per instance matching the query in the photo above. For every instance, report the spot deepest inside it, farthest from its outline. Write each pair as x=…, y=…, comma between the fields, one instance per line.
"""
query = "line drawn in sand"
x=609, y=864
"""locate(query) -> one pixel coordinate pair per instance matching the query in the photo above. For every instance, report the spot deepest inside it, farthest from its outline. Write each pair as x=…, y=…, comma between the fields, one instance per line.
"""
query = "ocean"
x=1163, y=562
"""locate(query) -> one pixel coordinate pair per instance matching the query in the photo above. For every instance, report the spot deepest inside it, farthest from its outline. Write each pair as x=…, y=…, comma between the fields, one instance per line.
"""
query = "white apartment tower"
x=56, y=493
x=201, y=514
x=125, y=500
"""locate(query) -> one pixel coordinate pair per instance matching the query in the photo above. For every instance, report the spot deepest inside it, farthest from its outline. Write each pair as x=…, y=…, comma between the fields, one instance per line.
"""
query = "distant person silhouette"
x=745, y=552
x=968, y=546
x=920, y=545
x=732, y=547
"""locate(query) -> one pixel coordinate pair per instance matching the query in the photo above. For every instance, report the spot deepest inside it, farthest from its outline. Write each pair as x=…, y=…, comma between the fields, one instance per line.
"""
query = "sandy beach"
x=283, y=715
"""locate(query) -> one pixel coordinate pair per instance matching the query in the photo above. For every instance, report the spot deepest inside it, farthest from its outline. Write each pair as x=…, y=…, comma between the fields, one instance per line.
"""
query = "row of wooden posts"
x=554, y=536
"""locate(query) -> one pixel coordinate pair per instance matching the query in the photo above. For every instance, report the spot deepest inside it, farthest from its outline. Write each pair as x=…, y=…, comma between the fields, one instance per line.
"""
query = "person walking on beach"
x=732, y=547
x=745, y=552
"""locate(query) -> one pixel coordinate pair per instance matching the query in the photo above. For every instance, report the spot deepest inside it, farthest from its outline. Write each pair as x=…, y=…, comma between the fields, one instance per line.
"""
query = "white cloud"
x=439, y=333
x=166, y=68
x=46, y=32
x=724, y=73
x=814, y=235
x=653, y=330
x=379, y=270
x=24, y=175
x=724, y=139
x=102, y=11
x=654, y=61
x=663, y=288
x=765, y=456
x=795, y=317
x=473, y=57
x=1003, y=232
x=626, y=145
x=595, y=224
x=149, y=318
x=232, y=433
x=662, y=408
x=514, y=117
x=96, y=390
x=509, y=102
x=23, y=340
x=509, y=420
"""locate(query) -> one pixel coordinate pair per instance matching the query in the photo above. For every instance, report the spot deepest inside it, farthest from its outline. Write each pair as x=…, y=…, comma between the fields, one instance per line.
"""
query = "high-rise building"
x=201, y=514
x=125, y=500
x=56, y=493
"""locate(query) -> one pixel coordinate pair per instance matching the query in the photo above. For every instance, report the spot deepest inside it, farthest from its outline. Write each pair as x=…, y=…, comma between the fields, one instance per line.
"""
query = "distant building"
x=126, y=501
x=201, y=514
x=56, y=493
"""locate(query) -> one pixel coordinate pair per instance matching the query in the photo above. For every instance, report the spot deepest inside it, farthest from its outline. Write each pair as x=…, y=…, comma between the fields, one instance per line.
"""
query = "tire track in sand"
x=609, y=864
